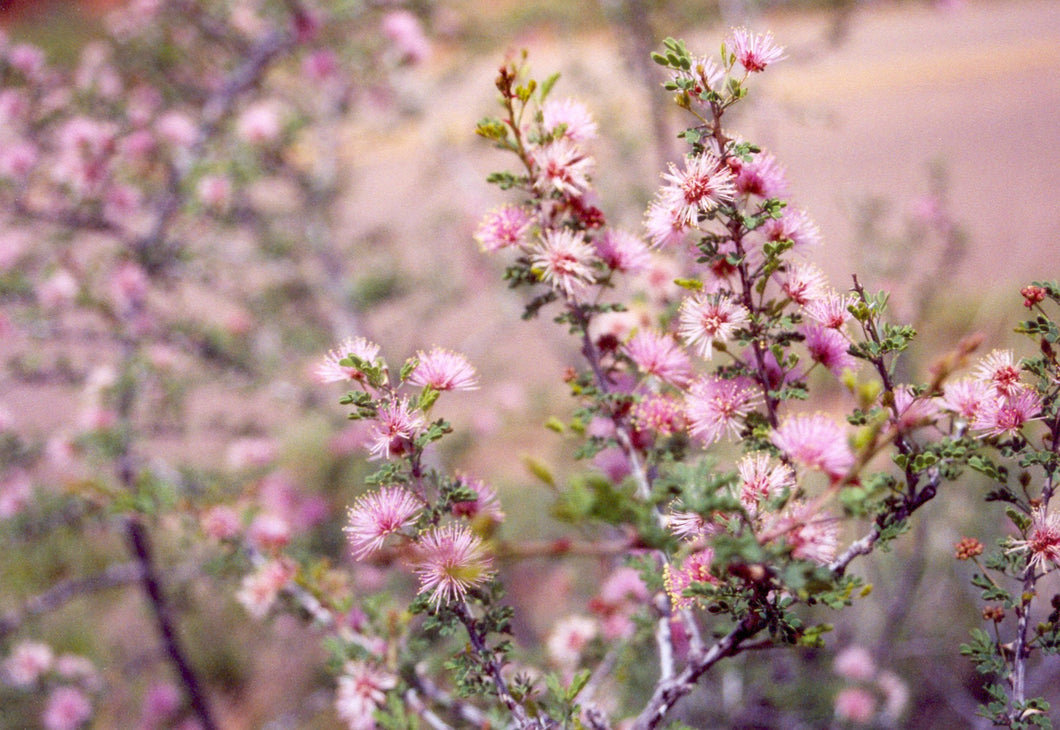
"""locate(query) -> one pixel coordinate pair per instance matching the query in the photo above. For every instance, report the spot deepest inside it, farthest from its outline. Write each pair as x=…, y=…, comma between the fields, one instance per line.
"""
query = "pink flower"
x=377, y=515
x=830, y=347
x=762, y=176
x=754, y=51
x=694, y=569
x=444, y=370
x=1007, y=414
x=811, y=536
x=247, y=453
x=503, y=227
x=572, y=115
x=704, y=73
x=697, y=190
x=58, y=290
x=361, y=691
x=568, y=640
x=67, y=709
x=913, y=411
x=330, y=371
x=27, y=59
x=15, y=492
x=761, y=480
x=714, y=405
x=855, y=663
x=320, y=65
x=999, y=370
x=215, y=192
x=708, y=318
x=177, y=129
x=831, y=310
x=161, y=703
x=658, y=355
x=663, y=225
x=403, y=29
x=856, y=705
x=396, y=426
x=221, y=522
x=659, y=414
x=486, y=505
x=816, y=442
x=966, y=397
x=689, y=525
x=565, y=262
x=793, y=225
x=623, y=251
x=28, y=661
x=562, y=167
x=259, y=124
x=269, y=532
x=260, y=588
x=804, y=283
x=17, y=160
x=451, y=561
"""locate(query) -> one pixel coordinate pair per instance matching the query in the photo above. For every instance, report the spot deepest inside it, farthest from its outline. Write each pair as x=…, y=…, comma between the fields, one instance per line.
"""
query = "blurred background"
x=922, y=137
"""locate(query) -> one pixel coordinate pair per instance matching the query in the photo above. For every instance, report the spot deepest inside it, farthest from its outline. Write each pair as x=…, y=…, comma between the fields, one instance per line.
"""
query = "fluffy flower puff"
x=451, y=561
x=377, y=515
x=503, y=227
x=361, y=691
x=913, y=411
x=793, y=225
x=569, y=638
x=562, y=167
x=754, y=51
x=805, y=283
x=708, y=318
x=856, y=705
x=830, y=310
x=704, y=73
x=694, y=569
x=330, y=371
x=966, y=397
x=816, y=442
x=67, y=709
x=659, y=414
x=761, y=480
x=1043, y=541
x=565, y=261
x=395, y=426
x=660, y=356
x=700, y=188
x=28, y=661
x=623, y=251
x=404, y=30
x=830, y=347
x=578, y=124
x=620, y=595
x=811, y=536
x=487, y=504
x=663, y=226
x=762, y=176
x=259, y=589
x=689, y=525
x=999, y=370
x=1005, y=415
x=715, y=405
x=444, y=370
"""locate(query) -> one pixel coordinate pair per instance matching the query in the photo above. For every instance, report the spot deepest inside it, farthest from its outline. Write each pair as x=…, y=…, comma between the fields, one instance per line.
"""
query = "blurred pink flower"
x=830, y=347
x=403, y=29
x=966, y=397
x=503, y=227
x=330, y=371
x=762, y=176
x=67, y=709
x=830, y=310
x=562, y=167
x=221, y=522
x=762, y=480
x=578, y=123
x=1006, y=415
x=568, y=639
x=260, y=588
x=623, y=251
x=361, y=690
x=694, y=569
x=816, y=442
x=856, y=705
x=659, y=414
x=269, y=532
x=259, y=124
x=660, y=356
x=999, y=370
x=804, y=283
x=27, y=663
x=793, y=225
x=855, y=663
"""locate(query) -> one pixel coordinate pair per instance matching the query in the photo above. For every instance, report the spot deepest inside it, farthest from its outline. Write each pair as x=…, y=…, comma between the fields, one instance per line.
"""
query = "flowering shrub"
x=726, y=496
